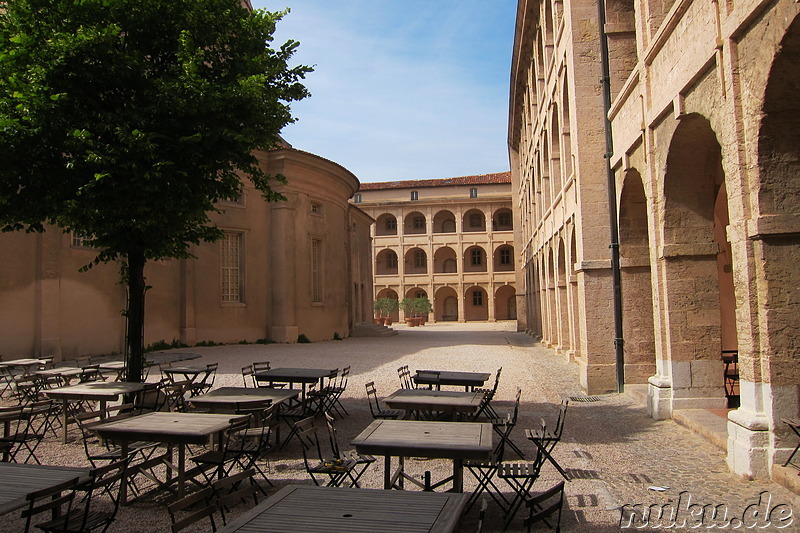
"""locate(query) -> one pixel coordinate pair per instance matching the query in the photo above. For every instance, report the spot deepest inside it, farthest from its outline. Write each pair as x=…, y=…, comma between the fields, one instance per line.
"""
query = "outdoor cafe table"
x=167, y=428
x=19, y=480
x=307, y=509
x=101, y=391
x=458, y=441
x=24, y=364
x=228, y=399
x=468, y=380
x=304, y=376
x=424, y=400
x=114, y=366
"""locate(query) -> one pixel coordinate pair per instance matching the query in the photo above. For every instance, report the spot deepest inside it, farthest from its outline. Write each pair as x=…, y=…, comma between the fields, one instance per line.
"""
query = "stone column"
x=284, y=239
x=48, y=294
x=187, y=302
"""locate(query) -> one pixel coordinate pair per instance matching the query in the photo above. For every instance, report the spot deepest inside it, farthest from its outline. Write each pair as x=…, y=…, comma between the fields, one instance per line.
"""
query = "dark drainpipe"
x=612, y=200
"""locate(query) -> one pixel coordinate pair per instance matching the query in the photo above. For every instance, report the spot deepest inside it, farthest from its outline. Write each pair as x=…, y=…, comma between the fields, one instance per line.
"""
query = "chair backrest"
x=405, y=377
x=56, y=497
x=332, y=438
x=496, y=380
x=541, y=510
x=344, y=376
x=207, y=381
x=106, y=479
x=428, y=375
x=372, y=397
x=516, y=406
x=562, y=415
x=151, y=397
x=261, y=366
x=230, y=490
x=193, y=508
x=248, y=376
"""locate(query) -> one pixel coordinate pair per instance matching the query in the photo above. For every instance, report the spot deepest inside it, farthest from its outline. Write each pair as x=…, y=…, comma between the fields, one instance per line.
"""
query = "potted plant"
x=384, y=307
x=424, y=307
x=409, y=308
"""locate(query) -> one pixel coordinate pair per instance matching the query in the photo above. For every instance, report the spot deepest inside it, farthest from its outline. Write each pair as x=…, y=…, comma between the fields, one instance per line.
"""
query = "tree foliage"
x=126, y=121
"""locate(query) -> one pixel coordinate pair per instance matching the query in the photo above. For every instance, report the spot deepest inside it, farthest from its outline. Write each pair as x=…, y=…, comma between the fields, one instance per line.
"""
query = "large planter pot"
x=410, y=322
x=378, y=320
x=387, y=321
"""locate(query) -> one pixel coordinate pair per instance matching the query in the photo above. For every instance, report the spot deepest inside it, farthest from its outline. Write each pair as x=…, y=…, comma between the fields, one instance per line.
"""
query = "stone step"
x=372, y=330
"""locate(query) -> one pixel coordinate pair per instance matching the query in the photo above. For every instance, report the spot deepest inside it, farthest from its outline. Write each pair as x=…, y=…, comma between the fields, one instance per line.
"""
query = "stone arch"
x=445, y=260
x=637, y=295
x=475, y=259
x=445, y=305
x=503, y=220
x=550, y=303
x=776, y=248
x=416, y=261
x=474, y=221
x=476, y=304
x=390, y=293
x=555, y=153
x=386, y=262
x=566, y=140
x=386, y=224
x=561, y=299
x=444, y=221
x=504, y=259
x=547, y=193
x=691, y=284
x=505, y=303
x=415, y=224
x=416, y=292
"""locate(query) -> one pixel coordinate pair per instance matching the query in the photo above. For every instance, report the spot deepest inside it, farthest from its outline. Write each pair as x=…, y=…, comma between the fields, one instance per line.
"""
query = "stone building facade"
x=450, y=240
x=301, y=266
x=706, y=159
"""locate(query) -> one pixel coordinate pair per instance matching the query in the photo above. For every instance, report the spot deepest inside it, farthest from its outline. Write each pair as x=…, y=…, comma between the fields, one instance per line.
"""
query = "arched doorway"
x=505, y=303
x=446, y=305
x=390, y=293
x=444, y=261
x=476, y=305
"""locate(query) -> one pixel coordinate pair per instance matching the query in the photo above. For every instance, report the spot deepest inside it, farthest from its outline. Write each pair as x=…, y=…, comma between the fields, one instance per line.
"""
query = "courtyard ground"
x=615, y=453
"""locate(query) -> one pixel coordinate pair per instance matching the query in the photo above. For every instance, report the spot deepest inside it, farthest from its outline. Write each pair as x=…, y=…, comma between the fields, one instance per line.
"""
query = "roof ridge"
x=478, y=179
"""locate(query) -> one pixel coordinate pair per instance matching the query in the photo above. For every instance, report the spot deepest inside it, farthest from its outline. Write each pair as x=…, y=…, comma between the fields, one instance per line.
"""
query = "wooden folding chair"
x=545, y=441
x=539, y=511
x=56, y=499
x=193, y=508
x=375, y=406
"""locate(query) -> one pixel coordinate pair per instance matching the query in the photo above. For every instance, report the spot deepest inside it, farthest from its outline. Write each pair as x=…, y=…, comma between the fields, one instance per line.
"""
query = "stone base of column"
x=189, y=336
x=597, y=379
x=748, y=445
x=285, y=334
x=659, y=398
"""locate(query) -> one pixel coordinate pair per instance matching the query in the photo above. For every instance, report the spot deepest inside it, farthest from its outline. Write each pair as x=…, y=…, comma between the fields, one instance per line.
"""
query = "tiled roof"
x=483, y=179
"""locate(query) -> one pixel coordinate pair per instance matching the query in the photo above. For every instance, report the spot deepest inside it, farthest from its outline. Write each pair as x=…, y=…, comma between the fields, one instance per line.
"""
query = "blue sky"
x=407, y=89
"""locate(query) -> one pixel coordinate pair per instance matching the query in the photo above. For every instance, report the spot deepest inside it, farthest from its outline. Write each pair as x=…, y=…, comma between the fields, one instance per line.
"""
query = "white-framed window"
x=232, y=267
x=477, y=298
x=419, y=222
x=505, y=256
x=477, y=257
x=316, y=270
x=419, y=259
x=78, y=240
x=414, y=195
x=357, y=198
x=473, y=192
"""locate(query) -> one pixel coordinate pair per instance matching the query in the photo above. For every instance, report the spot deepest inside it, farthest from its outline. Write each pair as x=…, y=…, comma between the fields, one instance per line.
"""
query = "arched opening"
x=505, y=303
x=504, y=258
x=445, y=306
x=390, y=293
x=566, y=140
x=776, y=248
x=444, y=222
x=692, y=286
x=415, y=224
x=637, y=296
x=575, y=318
x=474, y=259
x=474, y=221
x=386, y=263
x=476, y=306
x=551, y=333
x=503, y=220
x=445, y=261
x=555, y=135
x=561, y=298
x=386, y=224
x=416, y=261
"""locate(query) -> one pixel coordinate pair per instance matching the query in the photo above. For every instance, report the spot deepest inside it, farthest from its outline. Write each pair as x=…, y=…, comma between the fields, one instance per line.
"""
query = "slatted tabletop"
x=291, y=376
x=434, y=400
x=310, y=509
x=18, y=480
x=229, y=398
x=452, y=378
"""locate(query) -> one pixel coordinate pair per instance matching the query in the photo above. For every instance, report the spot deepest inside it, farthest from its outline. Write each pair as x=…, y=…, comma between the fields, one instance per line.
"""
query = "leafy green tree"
x=126, y=121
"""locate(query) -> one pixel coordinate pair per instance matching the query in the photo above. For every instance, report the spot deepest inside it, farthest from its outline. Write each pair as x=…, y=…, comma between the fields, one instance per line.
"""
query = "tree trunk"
x=135, y=333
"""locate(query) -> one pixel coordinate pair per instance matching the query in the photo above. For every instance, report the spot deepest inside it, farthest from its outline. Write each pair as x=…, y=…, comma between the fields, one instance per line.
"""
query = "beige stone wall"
x=705, y=129
x=48, y=307
x=439, y=226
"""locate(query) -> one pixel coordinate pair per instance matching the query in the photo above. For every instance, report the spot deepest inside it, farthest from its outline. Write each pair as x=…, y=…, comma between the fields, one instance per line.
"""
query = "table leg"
x=387, y=472
x=458, y=475
x=181, y=469
x=123, y=489
x=64, y=403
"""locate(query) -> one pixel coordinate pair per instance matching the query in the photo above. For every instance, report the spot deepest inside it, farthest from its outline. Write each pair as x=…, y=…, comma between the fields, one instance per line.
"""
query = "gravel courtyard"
x=615, y=452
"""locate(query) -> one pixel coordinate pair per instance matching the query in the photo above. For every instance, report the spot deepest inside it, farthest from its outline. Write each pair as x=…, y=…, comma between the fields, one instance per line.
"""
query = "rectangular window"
x=79, y=240
x=477, y=298
x=391, y=260
x=232, y=271
x=504, y=219
x=414, y=195
x=316, y=208
x=391, y=223
x=419, y=258
x=357, y=199
x=473, y=193
x=477, y=258
x=505, y=256
x=316, y=270
x=419, y=222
